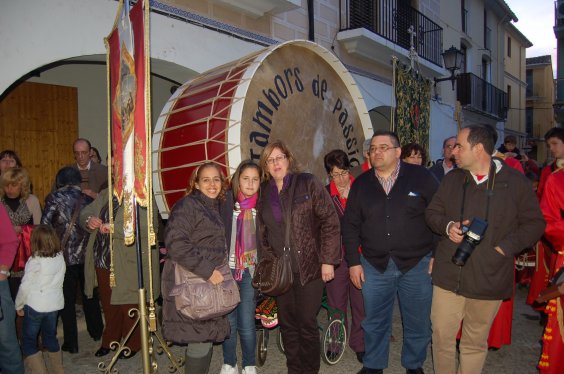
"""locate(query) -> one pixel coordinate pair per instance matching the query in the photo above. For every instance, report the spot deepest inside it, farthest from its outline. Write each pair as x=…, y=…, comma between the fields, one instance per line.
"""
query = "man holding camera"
x=486, y=213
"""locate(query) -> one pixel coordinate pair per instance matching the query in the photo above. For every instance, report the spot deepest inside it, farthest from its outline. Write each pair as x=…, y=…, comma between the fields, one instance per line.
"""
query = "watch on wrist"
x=5, y=272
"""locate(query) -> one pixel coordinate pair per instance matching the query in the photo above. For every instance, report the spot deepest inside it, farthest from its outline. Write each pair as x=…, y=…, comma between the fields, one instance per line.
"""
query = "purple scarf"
x=245, y=242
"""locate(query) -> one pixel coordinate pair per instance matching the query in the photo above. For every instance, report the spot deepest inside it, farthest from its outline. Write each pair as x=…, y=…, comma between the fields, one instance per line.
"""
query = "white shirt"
x=42, y=284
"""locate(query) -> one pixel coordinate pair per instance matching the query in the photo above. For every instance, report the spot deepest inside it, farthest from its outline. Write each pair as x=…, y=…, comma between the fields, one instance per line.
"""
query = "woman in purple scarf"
x=242, y=260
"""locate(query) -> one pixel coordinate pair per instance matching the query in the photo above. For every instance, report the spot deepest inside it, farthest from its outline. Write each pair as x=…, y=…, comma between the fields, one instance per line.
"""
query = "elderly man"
x=385, y=216
x=482, y=190
x=94, y=175
x=442, y=167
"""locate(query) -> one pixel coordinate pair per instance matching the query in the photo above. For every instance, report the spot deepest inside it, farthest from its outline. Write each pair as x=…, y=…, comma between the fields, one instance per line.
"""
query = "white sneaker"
x=228, y=369
x=249, y=370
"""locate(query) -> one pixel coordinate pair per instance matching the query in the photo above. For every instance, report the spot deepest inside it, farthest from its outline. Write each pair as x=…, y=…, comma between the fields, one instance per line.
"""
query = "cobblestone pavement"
x=520, y=357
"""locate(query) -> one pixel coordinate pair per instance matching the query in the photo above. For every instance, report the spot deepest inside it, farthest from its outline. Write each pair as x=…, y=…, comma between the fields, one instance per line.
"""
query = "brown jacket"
x=515, y=222
x=315, y=236
x=194, y=238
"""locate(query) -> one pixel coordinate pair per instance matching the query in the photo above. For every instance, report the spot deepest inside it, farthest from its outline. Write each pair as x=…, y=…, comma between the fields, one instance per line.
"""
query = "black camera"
x=473, y=235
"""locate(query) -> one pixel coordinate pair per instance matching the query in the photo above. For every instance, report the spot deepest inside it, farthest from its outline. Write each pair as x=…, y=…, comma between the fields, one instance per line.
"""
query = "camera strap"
x=489, y=191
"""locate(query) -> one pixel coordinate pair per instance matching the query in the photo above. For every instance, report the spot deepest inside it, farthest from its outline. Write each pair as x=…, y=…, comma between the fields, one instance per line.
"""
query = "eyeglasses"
x=343, y=174
x=449, y=146
x=381, y=148
x=82, y=153
x=272, y=160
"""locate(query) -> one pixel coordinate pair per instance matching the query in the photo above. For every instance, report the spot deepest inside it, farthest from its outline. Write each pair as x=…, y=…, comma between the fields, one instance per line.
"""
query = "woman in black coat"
x=195, y=239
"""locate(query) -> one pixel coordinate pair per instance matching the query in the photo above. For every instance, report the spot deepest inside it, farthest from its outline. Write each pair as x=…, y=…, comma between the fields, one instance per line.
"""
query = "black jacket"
x=195, y=238
x=389, y=225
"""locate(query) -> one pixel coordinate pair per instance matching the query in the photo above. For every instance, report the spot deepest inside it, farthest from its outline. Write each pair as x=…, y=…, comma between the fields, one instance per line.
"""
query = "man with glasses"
x=385, y=218
x=94, y=175
x=442, y=167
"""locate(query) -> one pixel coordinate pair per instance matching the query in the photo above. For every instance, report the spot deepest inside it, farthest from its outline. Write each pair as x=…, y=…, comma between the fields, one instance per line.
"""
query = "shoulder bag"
x=273, y=274
x=198, y=299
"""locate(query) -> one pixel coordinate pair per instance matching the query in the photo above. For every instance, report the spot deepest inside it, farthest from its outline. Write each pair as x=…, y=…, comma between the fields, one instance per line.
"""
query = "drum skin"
x=297, y=92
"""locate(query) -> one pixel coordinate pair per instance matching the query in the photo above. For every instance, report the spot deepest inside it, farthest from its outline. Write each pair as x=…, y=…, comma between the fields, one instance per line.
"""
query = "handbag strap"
x=289, y=211
x=72, y=222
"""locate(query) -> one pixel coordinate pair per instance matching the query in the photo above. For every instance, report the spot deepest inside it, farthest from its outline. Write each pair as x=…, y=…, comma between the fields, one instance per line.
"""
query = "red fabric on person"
x=24, y=249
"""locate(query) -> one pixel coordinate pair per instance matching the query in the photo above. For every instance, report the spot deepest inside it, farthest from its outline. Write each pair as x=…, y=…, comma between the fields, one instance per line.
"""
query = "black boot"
x=198, y=365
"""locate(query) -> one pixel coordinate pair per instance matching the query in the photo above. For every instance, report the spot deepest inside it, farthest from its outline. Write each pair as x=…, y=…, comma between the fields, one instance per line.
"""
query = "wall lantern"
x=452, y=58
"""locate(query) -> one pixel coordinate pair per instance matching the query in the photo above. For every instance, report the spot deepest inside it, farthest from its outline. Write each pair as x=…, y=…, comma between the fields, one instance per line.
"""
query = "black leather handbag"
x=273, y=274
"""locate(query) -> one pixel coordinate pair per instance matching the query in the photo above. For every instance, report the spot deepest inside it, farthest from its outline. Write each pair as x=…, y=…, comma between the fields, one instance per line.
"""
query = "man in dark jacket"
x=442, y=167
x=385, y=216
x=487, y=189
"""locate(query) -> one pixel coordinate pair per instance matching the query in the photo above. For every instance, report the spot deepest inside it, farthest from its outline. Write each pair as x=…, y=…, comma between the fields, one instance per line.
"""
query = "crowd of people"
x=442, y=239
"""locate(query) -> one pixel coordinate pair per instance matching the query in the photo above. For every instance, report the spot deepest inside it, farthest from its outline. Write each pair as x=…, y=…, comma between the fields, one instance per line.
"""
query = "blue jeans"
x=10, y=355
x=34, y=322
x=415, y=293
x=242, y=321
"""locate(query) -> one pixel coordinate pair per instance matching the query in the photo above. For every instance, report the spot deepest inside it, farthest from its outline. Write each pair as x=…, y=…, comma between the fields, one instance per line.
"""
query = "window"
x=487, y=32
x=529, y=82
x=485, y=68
x=529, y=122
x=508, y=46
x=464, y=15
x=509, y=106
x=464, y=50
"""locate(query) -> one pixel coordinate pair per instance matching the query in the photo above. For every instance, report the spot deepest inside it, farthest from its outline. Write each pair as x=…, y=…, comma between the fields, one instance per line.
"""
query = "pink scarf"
x=245, y=242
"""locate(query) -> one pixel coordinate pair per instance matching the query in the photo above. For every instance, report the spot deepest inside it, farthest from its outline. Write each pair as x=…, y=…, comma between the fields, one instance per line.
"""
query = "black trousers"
x=74, y=276
x=297, y=317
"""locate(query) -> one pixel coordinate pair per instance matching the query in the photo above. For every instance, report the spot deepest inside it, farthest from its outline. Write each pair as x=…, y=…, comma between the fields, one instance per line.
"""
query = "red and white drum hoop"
x=297, y=92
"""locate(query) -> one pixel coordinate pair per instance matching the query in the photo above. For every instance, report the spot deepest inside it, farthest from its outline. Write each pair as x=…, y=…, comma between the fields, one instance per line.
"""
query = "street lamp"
x=452, y=58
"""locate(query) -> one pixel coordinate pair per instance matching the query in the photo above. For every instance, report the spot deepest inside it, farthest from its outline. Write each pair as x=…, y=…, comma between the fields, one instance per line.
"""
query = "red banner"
x=128, y=81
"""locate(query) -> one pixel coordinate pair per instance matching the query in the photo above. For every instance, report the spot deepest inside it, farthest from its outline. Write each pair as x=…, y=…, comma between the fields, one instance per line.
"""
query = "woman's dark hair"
x=68, y=176
x=336, y=158
x=97, y=154
x=44, y=241
x=11, y=154
x=244, y=165
x=415, y=148
x=195, y=178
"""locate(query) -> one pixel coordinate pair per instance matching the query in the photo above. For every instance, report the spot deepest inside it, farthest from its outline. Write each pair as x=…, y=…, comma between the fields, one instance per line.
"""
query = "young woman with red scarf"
x=242, y=260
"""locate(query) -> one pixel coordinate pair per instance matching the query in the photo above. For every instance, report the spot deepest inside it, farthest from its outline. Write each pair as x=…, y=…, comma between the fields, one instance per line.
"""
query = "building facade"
x=540, y=100
x=189, y=37
x=515, y=83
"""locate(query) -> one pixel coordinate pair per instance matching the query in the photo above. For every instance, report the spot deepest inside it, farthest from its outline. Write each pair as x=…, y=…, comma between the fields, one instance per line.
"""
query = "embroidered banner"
x=128, y=81
x=413, y=101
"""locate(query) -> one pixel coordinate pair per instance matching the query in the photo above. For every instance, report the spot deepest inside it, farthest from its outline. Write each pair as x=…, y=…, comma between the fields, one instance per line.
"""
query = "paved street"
x=520, y=357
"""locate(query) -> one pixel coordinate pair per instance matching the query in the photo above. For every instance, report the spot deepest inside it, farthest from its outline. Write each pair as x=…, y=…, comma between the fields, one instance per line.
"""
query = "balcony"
x=477, y=95
x=388, y=21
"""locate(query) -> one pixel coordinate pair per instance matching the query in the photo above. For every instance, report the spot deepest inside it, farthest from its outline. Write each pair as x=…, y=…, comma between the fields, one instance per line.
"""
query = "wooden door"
x=40, y=123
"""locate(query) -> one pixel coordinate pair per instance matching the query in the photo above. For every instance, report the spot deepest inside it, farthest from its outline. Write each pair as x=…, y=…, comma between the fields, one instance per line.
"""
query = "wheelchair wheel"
x=262, y=346
x=334, y=342
x=279, y=341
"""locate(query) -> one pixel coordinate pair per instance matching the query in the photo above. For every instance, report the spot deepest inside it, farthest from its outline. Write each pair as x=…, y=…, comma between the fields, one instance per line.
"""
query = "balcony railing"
x=391, y=19
x=476, y=94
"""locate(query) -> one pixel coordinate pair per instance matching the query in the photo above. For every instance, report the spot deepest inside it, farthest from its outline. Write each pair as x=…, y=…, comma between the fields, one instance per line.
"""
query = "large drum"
x=297, y=92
